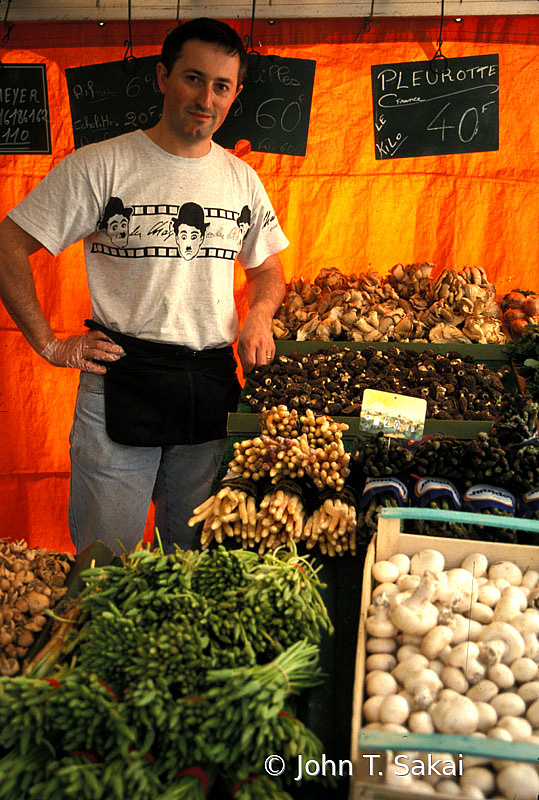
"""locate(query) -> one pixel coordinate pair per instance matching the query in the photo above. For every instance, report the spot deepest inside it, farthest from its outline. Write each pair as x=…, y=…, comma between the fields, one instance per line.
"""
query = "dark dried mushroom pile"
x=31, y=581
x=331, y=381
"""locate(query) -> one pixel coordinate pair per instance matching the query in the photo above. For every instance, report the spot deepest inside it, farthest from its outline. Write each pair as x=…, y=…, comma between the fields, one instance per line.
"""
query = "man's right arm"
x=18, y=294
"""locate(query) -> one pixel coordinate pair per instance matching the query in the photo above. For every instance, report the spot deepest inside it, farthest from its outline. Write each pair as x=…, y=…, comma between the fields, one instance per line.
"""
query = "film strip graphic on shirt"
x=173, y=211
x=160, y=251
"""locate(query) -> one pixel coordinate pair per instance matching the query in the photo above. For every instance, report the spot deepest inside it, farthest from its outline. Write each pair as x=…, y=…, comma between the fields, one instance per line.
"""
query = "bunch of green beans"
x=244, y=699
x=79, y=710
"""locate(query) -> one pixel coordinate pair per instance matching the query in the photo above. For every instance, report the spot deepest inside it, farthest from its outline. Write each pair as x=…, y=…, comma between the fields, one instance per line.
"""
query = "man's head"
x=206, y=30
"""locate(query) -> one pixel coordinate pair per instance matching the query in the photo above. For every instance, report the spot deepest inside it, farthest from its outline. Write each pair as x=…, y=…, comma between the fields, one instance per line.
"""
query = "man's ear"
x=240, y=87
x=162, y=76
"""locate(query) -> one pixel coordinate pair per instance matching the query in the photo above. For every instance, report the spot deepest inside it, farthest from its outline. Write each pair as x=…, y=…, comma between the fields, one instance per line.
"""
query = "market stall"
x=409, y=273
x=339, y=205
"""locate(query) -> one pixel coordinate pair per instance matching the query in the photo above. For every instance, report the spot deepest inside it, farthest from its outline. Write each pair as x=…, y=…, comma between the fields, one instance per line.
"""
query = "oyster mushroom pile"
x=407, y=305
x=332, y=380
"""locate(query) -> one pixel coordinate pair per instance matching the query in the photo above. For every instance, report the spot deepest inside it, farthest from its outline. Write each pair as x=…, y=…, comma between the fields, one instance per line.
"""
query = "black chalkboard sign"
x=425, y=108
x=113, y=98
x=273, y=109
x=24, y=109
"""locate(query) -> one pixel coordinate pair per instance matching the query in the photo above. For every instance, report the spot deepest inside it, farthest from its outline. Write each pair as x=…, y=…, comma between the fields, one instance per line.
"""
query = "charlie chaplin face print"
x=244, y=221
x=115, y=221
x=189, y=230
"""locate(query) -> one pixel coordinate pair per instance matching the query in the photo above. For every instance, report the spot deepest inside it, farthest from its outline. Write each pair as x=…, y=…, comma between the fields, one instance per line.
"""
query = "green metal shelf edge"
x=480, y=352
x=448, y=743
x=245, y=424
x=465, y=517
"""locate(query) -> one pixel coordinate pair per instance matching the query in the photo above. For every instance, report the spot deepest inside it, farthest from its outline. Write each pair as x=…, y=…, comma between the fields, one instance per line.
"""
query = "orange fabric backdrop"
x=338, y=205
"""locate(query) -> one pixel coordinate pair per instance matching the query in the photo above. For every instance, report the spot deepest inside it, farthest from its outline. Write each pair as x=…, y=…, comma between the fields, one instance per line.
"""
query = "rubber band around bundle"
x=278, y=666
x=196, y=772
x=89, y=756
x=243, y=484
x=239, y=784
x=53, y=682
x=348, y=495
x=109, y=690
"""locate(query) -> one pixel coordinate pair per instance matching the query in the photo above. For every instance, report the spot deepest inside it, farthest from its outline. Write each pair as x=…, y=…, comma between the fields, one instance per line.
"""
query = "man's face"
x=188, y=241
x=201, y=87
x=118, y=229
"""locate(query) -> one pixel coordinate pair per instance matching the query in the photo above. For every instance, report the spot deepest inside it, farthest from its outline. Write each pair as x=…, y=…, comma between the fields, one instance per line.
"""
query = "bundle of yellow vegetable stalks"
x=279, y=518
x=311, y=446
x=297, y=455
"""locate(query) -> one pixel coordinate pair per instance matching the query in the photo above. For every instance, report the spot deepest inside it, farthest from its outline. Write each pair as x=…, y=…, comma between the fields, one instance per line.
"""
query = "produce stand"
x=389, y=540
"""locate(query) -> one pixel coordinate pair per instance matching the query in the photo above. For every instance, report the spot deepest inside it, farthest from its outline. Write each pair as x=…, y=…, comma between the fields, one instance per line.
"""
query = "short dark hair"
x=207, y=30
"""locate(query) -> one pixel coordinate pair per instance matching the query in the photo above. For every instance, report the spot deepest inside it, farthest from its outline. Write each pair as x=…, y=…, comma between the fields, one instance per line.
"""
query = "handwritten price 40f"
x=466, y=127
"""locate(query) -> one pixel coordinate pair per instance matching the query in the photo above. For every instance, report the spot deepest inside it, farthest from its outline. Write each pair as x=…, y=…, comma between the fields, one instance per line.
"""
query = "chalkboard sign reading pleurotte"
x=425, y=108
x=273, y=109
x=113, y=98
x=24, y=109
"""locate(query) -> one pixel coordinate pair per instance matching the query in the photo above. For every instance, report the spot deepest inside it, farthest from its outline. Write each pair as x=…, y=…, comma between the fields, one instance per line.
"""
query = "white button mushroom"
x=427, y=560
x=529, y=691
x=502, y=675
x=518, y=782
x=385, y=572
x=508, y=704
x=378, y=623
x=524, y=669
x=480, y=778
x=383, y=661
x=505, y=570
x=501, y=642
x=435, y=640
x=413, y=612
x=401, y=561
x=519, y=728
x=483, y=691
x=375, y=645
x=454, y=714
x=420, y=722
x=371, y=708
x=487, y=716
x=464, y=656
x=394, y=708
x=424, y=685
x=476, y=563
x=381, y=683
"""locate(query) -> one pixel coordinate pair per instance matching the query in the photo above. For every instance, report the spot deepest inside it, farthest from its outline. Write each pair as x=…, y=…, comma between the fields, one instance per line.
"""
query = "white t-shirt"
x=161, y=234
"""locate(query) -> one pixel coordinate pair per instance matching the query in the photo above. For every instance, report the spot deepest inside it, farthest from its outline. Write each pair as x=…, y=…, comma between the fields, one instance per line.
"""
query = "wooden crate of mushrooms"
x=450, y=674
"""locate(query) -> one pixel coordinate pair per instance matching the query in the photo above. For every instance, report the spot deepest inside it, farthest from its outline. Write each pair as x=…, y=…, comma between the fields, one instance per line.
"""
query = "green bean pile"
x=179, y=673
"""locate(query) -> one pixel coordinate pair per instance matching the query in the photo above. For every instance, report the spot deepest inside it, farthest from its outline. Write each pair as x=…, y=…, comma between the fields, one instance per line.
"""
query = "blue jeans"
x=113, y=484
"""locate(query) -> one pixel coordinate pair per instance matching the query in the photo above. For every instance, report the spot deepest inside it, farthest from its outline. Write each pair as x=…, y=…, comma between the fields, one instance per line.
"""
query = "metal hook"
x=438, y=55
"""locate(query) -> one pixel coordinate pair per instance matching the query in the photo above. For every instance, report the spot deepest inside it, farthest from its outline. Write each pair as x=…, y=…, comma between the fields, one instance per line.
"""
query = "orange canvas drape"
x=339, y=206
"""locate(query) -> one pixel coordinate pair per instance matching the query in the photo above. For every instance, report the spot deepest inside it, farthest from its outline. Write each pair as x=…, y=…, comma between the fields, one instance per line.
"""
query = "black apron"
x=164, y=394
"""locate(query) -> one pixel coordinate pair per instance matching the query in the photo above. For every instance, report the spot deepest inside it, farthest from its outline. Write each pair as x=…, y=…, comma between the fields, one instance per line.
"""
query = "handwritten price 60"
x=267, y=114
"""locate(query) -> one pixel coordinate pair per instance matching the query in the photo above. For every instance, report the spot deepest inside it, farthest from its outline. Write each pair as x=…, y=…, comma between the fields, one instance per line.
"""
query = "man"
x=158, y=375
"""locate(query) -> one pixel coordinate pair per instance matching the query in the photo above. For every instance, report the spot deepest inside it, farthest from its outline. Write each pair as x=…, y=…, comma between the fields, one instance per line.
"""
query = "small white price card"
x=393, y=414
